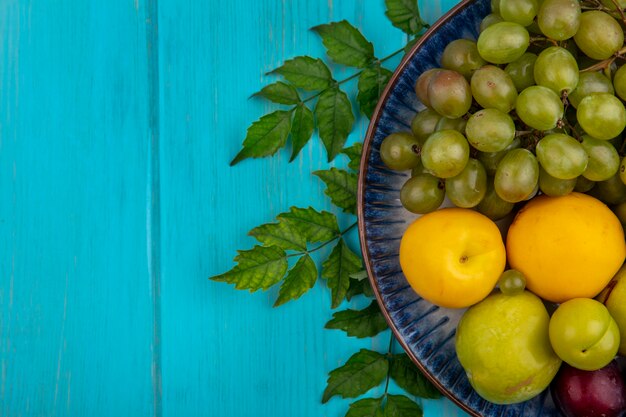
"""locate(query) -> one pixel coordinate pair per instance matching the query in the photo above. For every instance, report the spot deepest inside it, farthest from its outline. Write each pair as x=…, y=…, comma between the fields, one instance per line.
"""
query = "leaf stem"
x=389, y=353
x=356, y=74
x=328, y=242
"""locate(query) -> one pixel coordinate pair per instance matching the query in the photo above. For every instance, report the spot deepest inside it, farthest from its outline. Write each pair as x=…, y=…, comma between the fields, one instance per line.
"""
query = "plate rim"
x=367, y=148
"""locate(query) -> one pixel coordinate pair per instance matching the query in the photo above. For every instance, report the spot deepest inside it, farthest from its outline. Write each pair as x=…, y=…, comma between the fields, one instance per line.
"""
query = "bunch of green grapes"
x=534, y=105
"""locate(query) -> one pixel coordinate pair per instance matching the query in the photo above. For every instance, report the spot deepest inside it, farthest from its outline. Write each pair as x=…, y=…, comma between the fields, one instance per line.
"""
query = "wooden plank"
x=226, y=352
x=76, y=317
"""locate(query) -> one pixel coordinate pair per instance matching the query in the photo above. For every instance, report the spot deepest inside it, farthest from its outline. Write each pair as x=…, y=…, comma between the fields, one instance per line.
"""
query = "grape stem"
x=619, y=9
x=607, y=62
x=520, y=133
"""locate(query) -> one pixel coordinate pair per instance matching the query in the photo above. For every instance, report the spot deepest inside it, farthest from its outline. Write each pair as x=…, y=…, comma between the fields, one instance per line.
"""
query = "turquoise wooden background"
x=117, y=122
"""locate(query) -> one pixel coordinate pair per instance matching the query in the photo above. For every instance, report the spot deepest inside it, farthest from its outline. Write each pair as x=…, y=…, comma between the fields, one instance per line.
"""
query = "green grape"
x=611, y=191
x=521, y=71
x=449, y=94
x=400, y=151
x=419, y=169
x=490, y=19
x=512, y=282
x=603, y=159
x=583, y=184
x=533, y=193
x=492, y=205
x=554, y=187
x=620, y=212
x=422, y=194
x=421, y=85
x=445, y=153
x=559, y=19
x=490, y=160
x=462, y=56
x=495, y=6
x=562, y=156
x=490, y=130
x=493, y=88
x=457, y=124
x=424, y=123
x=622, y=170
x=589, y=83
x=556, y=69
x=619, y=82
x=468, y=188
x=522, y=12
x=601, y=115
x=517, y=176
x=539, y=107
x=503, y=42
x=599, y=35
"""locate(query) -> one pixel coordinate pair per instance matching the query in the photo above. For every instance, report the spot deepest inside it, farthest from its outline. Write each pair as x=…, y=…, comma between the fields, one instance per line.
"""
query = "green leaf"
x=359, y=287
x=367, y=407
x=306, y=73
x=405, y=15
x=265, y=136
x=334, y=120
x=410, y=379
x=257, y=268
x=337, y=269
x=299, y=280
x=354, y=153
x=341, y=187
x=359, y=276
x=359, y=323
x=362, y=372
x=301, y=129
x=372, y=82
x=282, y=234
x=279, y=92
x=401, y=406
x=345, y=44
x=314, y=225
x=410, y=44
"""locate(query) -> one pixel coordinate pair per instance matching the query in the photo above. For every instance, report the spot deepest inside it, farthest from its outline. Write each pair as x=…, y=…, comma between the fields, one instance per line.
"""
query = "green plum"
x=614, y=298
x=583, y=334
x=502, y=343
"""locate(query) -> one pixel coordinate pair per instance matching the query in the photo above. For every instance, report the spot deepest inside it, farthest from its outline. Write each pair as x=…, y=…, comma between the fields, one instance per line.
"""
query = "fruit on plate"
x=584, y=334
x=614, y=298
x=566, y=247
x=503, y=345
x=452, y=257
x=590, y=393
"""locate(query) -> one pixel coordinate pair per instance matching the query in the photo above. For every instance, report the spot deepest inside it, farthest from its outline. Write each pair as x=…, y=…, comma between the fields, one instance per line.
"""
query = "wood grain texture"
x=117, y=123
x=75, y=292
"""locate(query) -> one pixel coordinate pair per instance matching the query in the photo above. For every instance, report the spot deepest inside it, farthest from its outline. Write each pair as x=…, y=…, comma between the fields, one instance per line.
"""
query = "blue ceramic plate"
x=425, y=331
